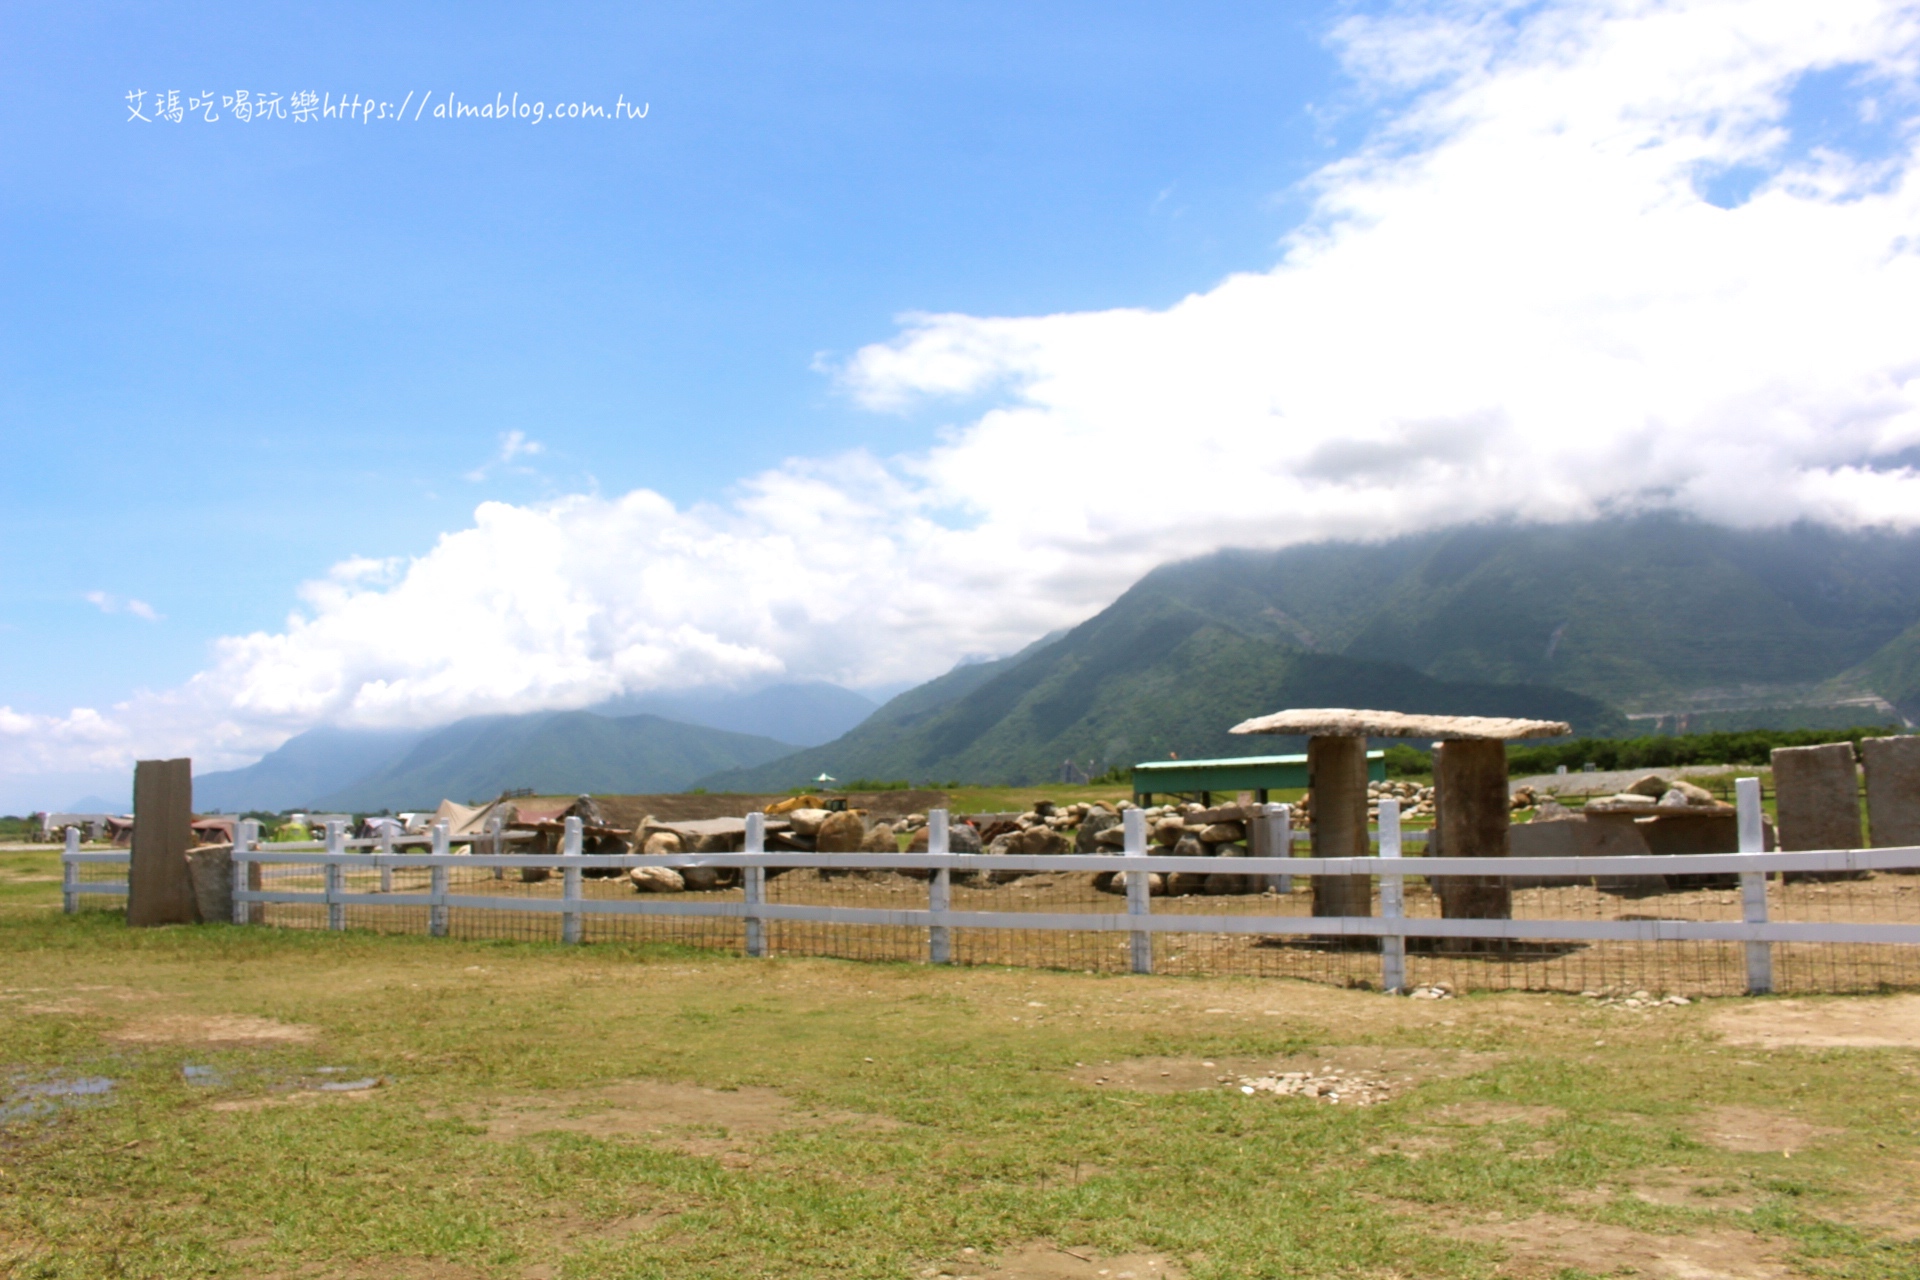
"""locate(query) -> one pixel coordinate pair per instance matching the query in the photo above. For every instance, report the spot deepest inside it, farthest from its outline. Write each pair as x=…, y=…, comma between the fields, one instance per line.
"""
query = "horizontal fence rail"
x=336, y=875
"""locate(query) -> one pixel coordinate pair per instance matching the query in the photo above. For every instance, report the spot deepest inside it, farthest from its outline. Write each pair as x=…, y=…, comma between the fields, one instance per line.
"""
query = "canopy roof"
x=1343, y=722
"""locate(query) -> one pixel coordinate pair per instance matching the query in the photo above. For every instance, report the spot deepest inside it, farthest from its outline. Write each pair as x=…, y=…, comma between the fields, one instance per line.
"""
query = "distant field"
x=278, y=1103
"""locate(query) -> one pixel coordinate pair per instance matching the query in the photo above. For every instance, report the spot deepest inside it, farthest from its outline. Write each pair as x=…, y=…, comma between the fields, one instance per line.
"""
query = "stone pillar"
x=1817, y=795
x=1337, y=773
x=1893, y=790
x=1470, y=783
x=159, y=889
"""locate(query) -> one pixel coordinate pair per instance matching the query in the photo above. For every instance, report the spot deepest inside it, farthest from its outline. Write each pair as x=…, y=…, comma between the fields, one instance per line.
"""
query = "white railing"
x=337, y=855
x=72, y=887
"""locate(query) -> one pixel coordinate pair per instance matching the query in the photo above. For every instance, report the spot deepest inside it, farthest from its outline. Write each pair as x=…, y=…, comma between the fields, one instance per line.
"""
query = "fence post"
x=70, y=873
x=1139, y=895
x=437, y=882
x=246, y=872
x=570, y=883
x=336, y=875
x=939, y=889
x=386, y=852
x=1279, y=842
x=494, y=827
x=755, y=883
x=1393, y=947
x=1753, y=884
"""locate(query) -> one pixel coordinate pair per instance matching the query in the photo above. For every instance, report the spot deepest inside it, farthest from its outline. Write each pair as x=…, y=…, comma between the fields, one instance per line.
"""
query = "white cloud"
x=106, y=603
x=513, y=445
x=1514, y=302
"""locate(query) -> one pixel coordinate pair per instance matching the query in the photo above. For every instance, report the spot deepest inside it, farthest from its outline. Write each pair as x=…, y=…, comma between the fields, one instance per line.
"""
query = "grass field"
x=293, y=1103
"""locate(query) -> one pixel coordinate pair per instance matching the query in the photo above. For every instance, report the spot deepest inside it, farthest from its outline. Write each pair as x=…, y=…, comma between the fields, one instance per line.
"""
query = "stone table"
x=1470, y=789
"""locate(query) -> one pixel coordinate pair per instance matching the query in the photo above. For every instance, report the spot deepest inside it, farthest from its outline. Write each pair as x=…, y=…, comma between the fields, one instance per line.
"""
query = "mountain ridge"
x=1569, y=622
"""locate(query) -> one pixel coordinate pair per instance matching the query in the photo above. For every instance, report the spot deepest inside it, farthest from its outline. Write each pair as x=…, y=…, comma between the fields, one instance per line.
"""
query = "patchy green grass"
x=928, y=1112
x=30, y=878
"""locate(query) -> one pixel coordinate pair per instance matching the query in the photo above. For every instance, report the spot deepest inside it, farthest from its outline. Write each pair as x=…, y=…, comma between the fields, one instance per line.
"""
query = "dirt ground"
x=1889, y=1023
x=1552, y=1245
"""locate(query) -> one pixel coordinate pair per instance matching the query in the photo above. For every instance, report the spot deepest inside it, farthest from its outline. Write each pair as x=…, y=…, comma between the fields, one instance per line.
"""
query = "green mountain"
x=304, y=767
x=1641, y=613
x=1563, y=622
x=555, y=752
x=1151, y=675
x=1893, y=673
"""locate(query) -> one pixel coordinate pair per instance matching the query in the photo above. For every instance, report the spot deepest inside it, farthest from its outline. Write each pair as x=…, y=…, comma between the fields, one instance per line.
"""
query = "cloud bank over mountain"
x=1597, y=258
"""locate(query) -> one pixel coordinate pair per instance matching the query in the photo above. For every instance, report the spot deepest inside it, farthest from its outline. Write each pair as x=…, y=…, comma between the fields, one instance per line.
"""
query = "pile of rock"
x=1186, y=831
x=1332, y=1085
x=1635, y=1000
x=1653, y=793
x=1415, y=800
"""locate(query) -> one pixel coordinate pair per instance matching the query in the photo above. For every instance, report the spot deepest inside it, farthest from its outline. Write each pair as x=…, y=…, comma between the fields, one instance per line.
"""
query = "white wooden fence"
x=337, y=855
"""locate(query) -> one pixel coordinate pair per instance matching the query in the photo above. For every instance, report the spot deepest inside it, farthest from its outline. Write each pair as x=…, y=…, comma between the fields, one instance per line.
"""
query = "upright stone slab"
x=1470, y=779
x=1893, y=790
x=159, y=888
x=1337, y=773
x=1817, y=795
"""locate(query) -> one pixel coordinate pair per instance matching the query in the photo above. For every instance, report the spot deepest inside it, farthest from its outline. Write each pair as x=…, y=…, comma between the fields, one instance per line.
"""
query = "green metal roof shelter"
x=1258, y=774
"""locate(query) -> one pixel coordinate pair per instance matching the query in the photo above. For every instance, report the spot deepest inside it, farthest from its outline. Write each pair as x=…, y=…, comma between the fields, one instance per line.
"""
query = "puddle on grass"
x=313, y=1080
x=31, y=1100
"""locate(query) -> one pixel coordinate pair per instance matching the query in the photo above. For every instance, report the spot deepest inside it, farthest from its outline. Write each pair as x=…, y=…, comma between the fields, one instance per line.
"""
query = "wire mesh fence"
x=1843, y=921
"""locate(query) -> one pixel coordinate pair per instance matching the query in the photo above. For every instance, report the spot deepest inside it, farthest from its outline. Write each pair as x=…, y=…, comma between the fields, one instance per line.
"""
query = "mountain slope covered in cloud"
x=1645, y=613
x=559, y=752
x=804, y=714
x=1559, y=622
x=302, y=769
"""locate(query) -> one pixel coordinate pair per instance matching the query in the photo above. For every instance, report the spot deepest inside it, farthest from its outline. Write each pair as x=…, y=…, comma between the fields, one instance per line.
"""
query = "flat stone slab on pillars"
x=1817, y=794
x=1344, y=722
x=1470, y=783
x=1893, y=790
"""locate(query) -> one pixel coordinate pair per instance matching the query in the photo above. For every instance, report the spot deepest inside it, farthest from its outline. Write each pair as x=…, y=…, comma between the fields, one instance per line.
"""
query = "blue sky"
x=889, y=335
x=234, y=354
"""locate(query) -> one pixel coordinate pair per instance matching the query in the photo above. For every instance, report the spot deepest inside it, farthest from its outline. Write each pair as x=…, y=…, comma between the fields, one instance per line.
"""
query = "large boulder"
x=1181, y=883
x=1893, y=790
x=701, y=879
x=806, y=822
x=1222, y=833
x=962, y=837
x=210, y=871
x=1116, y=882
x=1114, y=837
x=880, y=840
x=1041, y=840
x=1098, y=819
x=1169, y=829
x=1625, y=802
x=1221, y=882
x=840, y=832
x=1817, y=797
x=661, y=842
x=656, y=880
